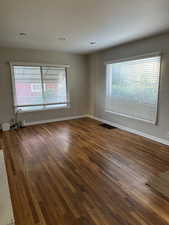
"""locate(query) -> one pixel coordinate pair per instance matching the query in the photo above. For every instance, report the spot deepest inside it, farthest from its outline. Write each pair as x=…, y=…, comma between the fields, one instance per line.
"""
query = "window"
x=39, y=87
x=36, y=87
x=132, y=88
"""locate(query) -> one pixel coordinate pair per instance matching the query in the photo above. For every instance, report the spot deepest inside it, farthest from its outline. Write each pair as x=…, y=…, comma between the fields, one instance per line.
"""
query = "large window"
x=132, y=88
x=39, y=87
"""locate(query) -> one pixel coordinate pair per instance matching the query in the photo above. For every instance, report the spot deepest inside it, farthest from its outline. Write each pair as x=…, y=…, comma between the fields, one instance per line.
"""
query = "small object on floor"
x=17, y=124
x=107, y=126
x=5, y=126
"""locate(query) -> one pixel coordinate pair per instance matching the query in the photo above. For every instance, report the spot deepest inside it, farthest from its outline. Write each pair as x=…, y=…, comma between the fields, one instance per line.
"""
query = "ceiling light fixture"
x=92, y=42
x=22, y=34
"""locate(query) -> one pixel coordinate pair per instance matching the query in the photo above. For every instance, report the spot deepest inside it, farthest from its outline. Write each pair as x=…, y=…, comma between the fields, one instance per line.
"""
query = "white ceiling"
x=108, y=22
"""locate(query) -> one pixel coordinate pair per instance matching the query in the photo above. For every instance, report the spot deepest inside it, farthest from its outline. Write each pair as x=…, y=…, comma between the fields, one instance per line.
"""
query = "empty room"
x=84, y=107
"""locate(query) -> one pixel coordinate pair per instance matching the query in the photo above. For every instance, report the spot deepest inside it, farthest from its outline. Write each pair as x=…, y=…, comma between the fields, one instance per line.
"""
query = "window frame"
x=125, y=59
x=15, y=106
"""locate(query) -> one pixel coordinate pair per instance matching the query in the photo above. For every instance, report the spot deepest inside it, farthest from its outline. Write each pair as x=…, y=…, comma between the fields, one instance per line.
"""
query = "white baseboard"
x=160, y=140
x=55, y=120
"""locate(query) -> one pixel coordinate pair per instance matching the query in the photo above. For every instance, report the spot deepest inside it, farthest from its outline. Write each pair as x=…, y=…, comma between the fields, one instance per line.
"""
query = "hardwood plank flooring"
x=79, y=173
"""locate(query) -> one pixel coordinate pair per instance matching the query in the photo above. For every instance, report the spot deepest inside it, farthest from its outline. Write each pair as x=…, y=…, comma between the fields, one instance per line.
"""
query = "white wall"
x=87, y=83
x=78, y=83
x=97, y=84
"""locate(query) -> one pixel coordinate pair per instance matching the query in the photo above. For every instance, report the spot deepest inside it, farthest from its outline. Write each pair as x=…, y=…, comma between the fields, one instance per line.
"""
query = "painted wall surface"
x=77, y=80
x=87, y=83
x=98, y=84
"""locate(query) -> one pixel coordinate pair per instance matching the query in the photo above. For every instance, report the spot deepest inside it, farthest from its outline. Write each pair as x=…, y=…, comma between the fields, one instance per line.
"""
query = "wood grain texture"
x=161, y=183
x=78, y=173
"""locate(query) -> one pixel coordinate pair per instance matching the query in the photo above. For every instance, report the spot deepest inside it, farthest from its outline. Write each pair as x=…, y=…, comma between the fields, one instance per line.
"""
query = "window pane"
x=132, y=88
x=38, y=86
x=54, y=81
x=28, y=85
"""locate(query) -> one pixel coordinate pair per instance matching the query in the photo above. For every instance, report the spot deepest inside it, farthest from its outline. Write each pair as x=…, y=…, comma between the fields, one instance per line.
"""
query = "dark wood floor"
x=76, y=173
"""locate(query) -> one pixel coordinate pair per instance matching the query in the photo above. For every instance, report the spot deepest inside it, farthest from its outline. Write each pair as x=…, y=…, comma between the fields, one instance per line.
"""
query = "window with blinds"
x=132, y=88
x=39, y=87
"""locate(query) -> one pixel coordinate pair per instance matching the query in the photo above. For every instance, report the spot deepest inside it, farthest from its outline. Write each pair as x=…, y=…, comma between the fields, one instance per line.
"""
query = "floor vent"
x=107, y=126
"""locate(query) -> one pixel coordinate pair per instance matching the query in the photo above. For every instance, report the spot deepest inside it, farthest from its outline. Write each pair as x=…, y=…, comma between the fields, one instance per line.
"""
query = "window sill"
x=43, y=109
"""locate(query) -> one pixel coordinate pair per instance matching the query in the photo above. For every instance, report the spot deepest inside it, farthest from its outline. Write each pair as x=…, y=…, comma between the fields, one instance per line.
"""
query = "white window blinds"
x=132, y=88
x=39, y=87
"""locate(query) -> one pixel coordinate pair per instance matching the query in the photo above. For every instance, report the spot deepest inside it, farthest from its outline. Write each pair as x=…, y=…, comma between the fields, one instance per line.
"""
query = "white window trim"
x=12, y=64
x=68, y=106
x=38, y=64
x=154, y=54
x=135, y=57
